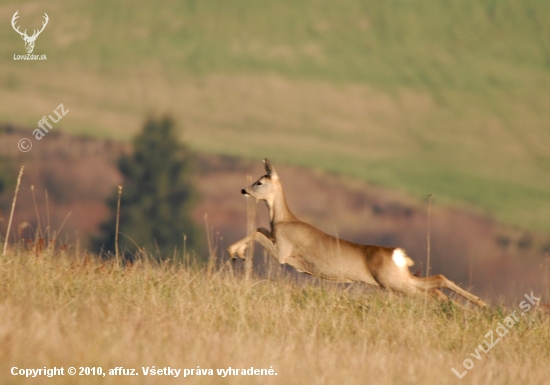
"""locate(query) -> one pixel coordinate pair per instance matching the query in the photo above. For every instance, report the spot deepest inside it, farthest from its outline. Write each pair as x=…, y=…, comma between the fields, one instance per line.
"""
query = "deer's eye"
x=258, y=183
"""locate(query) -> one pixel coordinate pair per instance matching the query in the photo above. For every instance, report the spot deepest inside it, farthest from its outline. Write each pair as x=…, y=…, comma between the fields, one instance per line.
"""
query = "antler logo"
x=29, y=40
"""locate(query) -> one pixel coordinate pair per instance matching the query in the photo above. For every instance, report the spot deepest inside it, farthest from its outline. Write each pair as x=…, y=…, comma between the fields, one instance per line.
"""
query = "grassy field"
x=425, y=97
x=65, y=309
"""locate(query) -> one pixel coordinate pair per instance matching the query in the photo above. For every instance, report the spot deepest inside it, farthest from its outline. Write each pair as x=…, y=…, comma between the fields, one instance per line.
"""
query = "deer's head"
x=29, y=40
x=265, y=188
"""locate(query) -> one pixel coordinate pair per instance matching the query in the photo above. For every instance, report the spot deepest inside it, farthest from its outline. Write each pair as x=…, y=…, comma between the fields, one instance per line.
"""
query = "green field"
x=426, y=96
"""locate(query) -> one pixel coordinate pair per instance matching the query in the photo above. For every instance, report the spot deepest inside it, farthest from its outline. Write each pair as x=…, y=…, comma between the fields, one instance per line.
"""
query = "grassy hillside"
x=429, y=96
x=86, y=313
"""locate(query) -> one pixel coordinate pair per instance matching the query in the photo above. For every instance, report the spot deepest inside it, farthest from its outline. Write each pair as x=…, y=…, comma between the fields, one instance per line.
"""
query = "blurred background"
x=364, y=107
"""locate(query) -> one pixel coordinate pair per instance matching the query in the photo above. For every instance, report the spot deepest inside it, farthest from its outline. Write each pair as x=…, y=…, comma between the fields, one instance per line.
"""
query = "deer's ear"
x=269, y=169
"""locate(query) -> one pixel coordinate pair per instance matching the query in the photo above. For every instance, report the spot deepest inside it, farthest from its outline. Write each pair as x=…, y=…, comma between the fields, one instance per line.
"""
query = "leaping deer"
x=29, y=40
x=311, y=251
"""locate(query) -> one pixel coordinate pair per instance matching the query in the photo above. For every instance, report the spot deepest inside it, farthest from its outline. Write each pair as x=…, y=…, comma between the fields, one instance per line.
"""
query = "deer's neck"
x=278, y=209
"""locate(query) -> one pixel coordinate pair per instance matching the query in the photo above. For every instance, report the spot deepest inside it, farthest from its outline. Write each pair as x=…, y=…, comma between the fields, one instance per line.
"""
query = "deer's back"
x=312, y=251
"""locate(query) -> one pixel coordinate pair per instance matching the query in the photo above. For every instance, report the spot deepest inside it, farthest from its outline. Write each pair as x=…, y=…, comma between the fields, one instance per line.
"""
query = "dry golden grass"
x=63, y=310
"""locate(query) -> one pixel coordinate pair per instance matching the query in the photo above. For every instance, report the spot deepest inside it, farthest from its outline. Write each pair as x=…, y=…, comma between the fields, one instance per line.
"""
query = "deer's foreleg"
x=261, y=235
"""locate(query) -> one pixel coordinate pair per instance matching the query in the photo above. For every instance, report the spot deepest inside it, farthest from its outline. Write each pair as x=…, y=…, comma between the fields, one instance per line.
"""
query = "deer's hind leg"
x=436, y=293
x=431, y=284
x=439, y=295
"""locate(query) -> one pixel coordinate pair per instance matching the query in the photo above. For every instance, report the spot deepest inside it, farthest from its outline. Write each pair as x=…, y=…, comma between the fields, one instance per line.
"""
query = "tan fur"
x=311, y=251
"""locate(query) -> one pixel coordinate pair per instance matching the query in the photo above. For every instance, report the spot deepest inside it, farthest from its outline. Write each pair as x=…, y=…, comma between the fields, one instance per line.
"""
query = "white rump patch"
x=400, y=258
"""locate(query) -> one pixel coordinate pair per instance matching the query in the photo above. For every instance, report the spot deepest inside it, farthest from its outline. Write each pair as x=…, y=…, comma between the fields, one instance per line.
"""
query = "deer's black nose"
x=243, y=191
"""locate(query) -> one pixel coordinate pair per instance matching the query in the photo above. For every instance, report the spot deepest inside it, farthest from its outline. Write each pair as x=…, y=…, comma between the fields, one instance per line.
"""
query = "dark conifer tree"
x=157, y=196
